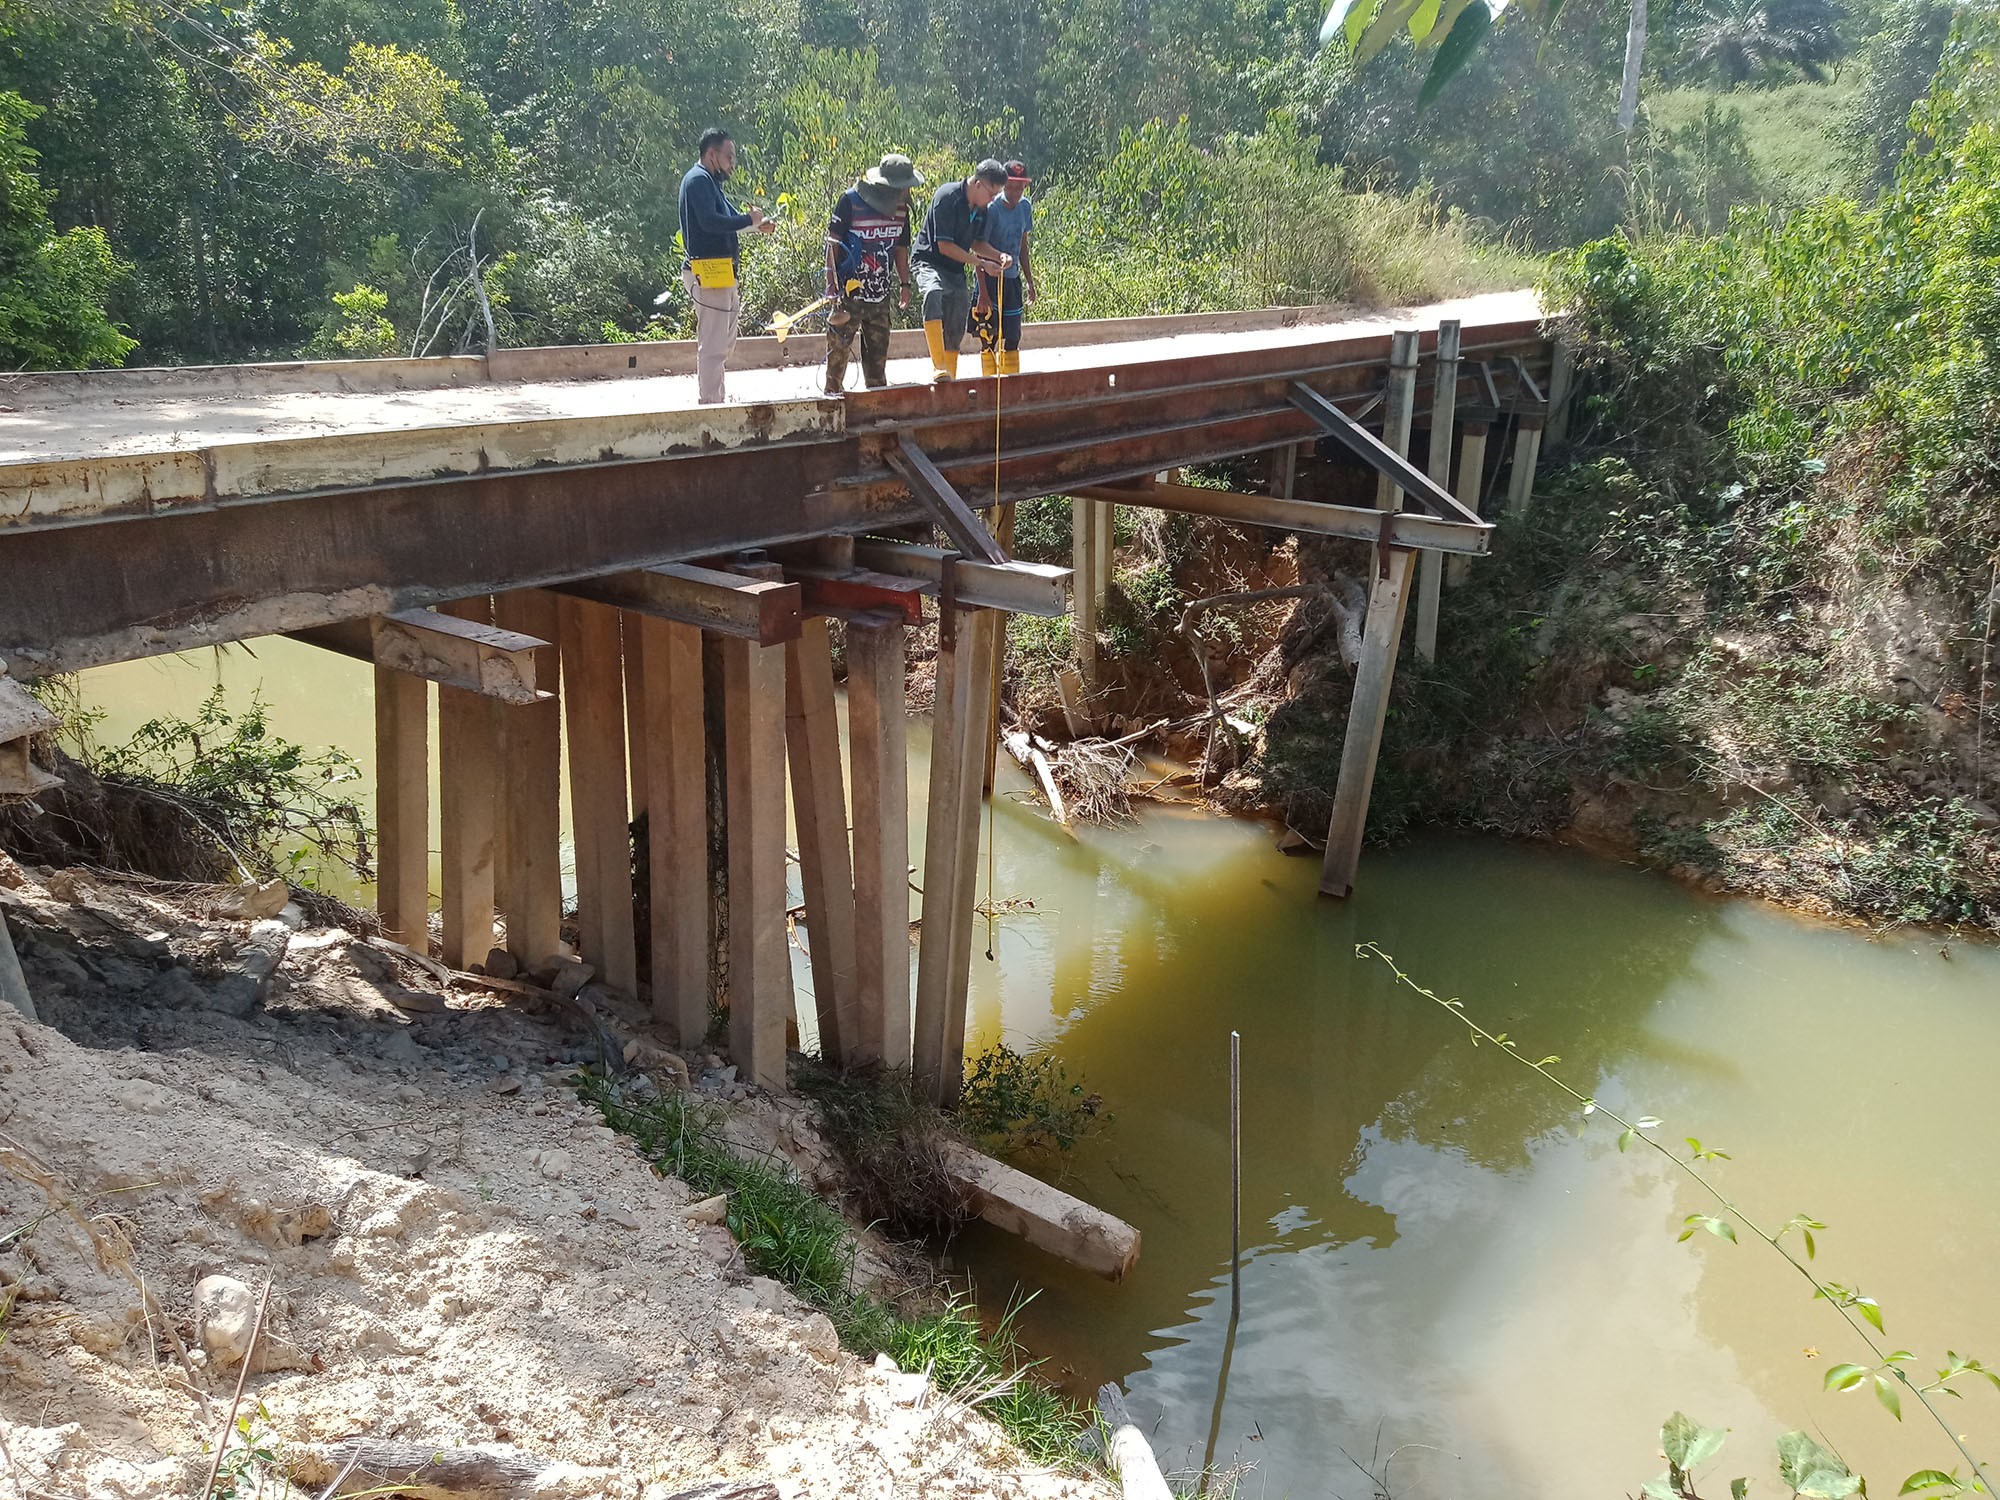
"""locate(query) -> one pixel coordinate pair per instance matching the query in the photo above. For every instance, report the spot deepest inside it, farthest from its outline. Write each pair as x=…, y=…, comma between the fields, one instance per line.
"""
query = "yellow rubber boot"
x=1010, y=361
x=989, y=362
x=944, y=363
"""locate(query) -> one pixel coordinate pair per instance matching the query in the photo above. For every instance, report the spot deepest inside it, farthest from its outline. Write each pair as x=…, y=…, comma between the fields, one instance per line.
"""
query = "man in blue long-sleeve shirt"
x=710, y=224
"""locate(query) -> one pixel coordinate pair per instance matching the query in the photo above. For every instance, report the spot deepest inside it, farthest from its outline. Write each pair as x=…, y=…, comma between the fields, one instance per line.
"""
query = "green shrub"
x=357, y=328
x=53, y=287
x=1042, y=529
x=1016, y=1103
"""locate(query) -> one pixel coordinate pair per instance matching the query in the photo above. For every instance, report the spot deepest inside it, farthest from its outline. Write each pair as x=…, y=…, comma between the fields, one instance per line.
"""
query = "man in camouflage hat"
x=868, y=243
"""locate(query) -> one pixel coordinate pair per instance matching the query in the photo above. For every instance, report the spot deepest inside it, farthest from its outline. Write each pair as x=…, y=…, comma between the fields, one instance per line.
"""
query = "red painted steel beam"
x=858, y=591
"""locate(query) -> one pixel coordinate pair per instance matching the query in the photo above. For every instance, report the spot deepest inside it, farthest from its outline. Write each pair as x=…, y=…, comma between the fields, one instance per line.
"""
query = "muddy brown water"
x=1443, y=1260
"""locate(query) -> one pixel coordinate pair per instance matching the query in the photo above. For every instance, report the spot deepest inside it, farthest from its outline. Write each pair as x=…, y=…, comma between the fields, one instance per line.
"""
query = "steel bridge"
x=561, y=537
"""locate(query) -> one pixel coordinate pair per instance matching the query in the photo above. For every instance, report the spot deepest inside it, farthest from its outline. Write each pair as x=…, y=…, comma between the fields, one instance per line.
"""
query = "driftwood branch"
x=421, y=1472
x=1130, y=1455
x=417, y=1470
x=1241, y=597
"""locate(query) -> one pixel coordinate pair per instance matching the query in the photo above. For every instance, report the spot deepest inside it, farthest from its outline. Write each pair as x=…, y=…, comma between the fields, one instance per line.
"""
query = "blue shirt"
x=709, y=221
x=1006, y=225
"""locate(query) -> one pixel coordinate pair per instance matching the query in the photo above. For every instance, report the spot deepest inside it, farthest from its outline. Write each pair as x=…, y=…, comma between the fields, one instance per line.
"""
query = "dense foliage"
x=52, y=286
x=1858, y=335
x=346, y=178
x=1750, y=620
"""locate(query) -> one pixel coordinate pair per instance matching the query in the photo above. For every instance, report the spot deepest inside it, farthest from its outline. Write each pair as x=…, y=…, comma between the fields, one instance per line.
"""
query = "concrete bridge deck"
x=113, y=414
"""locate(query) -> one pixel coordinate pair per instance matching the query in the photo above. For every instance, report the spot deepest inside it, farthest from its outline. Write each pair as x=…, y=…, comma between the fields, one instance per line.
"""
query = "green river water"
x=1439, y=1250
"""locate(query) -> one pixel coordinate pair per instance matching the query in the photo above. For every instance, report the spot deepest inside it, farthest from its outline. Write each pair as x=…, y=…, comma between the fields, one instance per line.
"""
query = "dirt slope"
x=459, y=1253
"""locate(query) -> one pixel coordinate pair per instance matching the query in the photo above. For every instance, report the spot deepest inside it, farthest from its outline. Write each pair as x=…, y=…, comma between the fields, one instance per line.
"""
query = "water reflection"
x=1442, y=1254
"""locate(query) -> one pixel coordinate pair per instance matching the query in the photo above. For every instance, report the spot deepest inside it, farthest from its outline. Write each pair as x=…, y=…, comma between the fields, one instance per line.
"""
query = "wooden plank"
x=1562, y=375
x=819, y=806
x=1087, y=600
x=960, y=699
x=1105, y=551
x=1046, y=1217
x=763, y=610
x=878, y=756
x=1398, y=410
x=23, y=714
x=19, y=775
x=760, y=969
x=22, y=717
x=1444, y=403
x=462, y=647
x=1284, y=472
x=530, y=882
x=468, y=798
x=1387, y=602
x=1527, y=451
x=440, y=647
x=1003, y=532
x=677, y=827
x=403, y=807
x=985, y=629
x=593, y=700
x=631, y=641
x=1471, y=479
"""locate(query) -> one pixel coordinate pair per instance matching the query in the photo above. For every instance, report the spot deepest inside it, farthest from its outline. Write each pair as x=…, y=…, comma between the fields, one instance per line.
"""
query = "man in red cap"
x=1008, y=226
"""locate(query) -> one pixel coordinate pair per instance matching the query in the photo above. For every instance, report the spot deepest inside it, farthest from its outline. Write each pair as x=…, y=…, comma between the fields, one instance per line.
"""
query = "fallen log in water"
x=1044, y=1216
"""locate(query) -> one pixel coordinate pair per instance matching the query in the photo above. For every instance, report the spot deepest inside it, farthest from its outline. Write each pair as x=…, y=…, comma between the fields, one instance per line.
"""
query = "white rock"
x=225, y=1312
x=554, y=1165
x=708, y=1210
x=571, y=977
x=254, y=901
x=821, y=1338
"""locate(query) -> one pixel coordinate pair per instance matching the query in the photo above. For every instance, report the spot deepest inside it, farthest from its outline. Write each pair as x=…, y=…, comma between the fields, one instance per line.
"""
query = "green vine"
x=1887, y=1373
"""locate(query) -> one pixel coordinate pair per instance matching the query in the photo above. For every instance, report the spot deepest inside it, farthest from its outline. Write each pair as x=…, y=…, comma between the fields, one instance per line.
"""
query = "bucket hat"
x=895, y=171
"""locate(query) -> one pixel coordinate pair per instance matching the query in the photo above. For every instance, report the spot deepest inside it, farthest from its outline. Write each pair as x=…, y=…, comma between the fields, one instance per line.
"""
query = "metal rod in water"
x=1235, y=1174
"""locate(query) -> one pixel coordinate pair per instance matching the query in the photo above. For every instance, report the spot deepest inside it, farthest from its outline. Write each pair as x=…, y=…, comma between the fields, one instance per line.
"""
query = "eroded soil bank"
x=461, y=1255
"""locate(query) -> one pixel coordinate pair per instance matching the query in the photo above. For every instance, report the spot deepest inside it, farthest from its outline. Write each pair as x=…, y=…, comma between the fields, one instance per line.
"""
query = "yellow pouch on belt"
x=717, y=274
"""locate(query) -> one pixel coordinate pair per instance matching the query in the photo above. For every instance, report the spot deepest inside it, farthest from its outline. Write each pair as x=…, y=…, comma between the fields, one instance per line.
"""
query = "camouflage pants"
x=871, y=319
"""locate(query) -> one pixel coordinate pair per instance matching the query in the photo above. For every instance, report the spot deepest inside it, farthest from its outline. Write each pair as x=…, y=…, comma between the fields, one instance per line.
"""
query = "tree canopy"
x=201, y=182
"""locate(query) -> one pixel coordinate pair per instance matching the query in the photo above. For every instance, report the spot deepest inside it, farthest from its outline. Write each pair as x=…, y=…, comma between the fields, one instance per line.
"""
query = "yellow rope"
x=1000, y=647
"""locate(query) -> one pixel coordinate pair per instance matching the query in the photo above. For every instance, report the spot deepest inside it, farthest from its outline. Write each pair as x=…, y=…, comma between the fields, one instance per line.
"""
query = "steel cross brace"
x=1380, y=457
x=934, y=493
